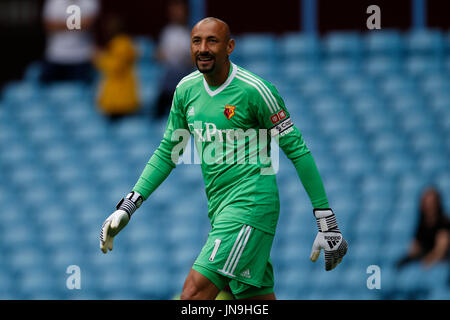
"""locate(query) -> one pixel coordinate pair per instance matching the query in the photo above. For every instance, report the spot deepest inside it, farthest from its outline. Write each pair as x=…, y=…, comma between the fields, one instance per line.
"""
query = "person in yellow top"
x=118, y=93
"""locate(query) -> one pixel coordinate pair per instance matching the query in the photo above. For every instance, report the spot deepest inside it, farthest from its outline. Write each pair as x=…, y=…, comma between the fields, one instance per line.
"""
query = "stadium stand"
x=374, y=109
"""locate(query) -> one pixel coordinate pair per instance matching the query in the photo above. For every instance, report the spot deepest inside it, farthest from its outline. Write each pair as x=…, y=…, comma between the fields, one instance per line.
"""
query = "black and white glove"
x=119, y=219
x=329, y=238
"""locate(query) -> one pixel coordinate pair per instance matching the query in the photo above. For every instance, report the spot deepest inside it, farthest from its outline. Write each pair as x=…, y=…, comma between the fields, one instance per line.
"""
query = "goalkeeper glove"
x=329, y=238
x=119, y=219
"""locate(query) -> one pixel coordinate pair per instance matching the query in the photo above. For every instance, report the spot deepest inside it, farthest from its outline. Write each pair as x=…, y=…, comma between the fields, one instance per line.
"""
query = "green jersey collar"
x=230, y=78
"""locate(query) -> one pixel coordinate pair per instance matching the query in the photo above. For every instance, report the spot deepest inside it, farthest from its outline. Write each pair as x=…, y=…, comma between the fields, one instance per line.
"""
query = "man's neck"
x=216, y=79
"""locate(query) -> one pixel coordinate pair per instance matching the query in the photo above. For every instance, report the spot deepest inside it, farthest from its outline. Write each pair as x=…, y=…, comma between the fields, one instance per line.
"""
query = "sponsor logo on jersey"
x=229, y=111
x=278, y=116
x=282, y=128
x=274, y=118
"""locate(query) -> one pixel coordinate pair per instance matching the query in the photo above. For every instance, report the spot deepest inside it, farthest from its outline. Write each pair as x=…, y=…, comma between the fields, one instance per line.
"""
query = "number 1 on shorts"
x=216, y=247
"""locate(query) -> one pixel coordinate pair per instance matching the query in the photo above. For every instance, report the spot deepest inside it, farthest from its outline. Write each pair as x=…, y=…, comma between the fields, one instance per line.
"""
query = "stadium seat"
x=380, y=66
x=425, y=42
x=293, y=70
x=439, y=293
x=410, y=278
x=256, y=46
x=343, y=44
x=339, y=67
x=19, y=92
x=299, y=46
x=354, y=85
x=419, y=66
x=32, y=72
x=435, y=83
x=262, y=68
x=145, y=47
x=393, y=84
x=384, y=43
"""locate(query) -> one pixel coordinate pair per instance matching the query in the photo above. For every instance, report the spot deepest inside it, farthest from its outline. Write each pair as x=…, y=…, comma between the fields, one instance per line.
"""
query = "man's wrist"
x=326, y=220
x=130, y=203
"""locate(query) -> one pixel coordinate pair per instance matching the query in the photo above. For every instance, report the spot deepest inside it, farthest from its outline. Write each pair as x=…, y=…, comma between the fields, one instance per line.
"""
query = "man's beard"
x=206, y=69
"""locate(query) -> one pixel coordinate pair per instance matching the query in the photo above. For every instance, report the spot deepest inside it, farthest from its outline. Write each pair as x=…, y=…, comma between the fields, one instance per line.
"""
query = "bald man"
x=232, y=115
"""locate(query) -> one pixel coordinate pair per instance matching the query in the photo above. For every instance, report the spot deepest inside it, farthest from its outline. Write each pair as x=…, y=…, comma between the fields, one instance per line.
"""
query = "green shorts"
x=238, y=255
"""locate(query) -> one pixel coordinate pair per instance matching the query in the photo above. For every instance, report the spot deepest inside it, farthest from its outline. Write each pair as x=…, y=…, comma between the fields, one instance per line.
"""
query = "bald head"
x=221, y=26
x=211, y=45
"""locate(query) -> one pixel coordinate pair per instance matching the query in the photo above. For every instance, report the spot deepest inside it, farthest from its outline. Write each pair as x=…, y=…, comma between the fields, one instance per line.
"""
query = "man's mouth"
x=205, y=58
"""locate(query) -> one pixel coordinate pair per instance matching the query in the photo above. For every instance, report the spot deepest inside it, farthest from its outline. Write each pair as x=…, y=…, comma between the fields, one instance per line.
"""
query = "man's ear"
x=230, y=46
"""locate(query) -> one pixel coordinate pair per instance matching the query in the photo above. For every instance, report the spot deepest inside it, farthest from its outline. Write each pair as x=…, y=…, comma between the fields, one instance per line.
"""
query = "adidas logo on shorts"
x=246, y=274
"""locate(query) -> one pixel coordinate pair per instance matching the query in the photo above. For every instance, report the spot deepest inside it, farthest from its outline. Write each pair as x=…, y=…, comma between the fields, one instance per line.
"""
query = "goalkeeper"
x=227, y=108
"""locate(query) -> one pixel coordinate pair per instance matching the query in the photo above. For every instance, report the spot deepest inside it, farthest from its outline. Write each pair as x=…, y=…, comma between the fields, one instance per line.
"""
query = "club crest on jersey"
x=229, y=111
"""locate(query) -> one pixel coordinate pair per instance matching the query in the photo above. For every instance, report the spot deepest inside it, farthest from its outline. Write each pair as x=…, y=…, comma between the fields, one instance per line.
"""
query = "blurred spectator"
x=118, y=91
x=68, y=53
x=174, y=53
x=431, y=242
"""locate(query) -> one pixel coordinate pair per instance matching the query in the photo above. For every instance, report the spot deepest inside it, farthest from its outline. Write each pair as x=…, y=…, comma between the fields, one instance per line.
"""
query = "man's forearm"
x=311, y=180
x=155, y=172
x=296, y=150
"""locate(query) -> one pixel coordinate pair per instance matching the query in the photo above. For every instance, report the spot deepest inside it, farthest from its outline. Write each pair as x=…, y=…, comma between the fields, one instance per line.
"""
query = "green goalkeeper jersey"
x=232, y=126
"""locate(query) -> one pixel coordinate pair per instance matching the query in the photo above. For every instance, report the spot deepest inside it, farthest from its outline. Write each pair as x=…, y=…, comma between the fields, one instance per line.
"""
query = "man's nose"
x=203, y=47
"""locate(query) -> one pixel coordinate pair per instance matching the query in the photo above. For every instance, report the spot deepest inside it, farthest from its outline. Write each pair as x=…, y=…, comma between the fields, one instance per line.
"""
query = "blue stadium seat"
x=425, y=42
x=440, y=293
x=62, y=94
x=412, y=183
x=61, y=258
x=354, y=85
x=355, y=277
x=410, y=278
x=19, y=92
x=393, y=252
x=33, y=72
x=315, y=86
x=435, y=83
x=384, y=43
x=155, y=285
x=385, y=143
x=79, y=113
x=418, y=66
x=434, y=163
x=294, y=70
x=381, y=66
x=339, y=67
x=7, y=287
x=437, y=276
x=343, y=44
x=114, y=278
x=364, y=102
x=27, y=258
x=375, y=121
x=299, y=46
x=394, y=84
x=262, y=68
x=145, y=47
x=418, y=121
x=447, y=42
x=38, y=284
x=257, y=46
